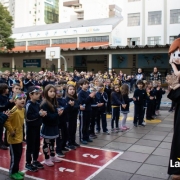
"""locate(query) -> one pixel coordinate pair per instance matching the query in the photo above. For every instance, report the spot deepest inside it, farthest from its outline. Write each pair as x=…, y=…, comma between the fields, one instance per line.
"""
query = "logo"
x=176, y=164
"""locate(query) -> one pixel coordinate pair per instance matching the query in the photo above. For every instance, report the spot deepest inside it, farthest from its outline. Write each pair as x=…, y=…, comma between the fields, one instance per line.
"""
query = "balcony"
x=80, y=16
x=114, y=11
x=113, y=7
x=68, y=3
x=78, y=9
x=114, y=14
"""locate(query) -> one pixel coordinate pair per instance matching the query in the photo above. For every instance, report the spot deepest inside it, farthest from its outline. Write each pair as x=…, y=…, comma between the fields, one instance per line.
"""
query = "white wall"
x=154, y=30
x=172, y=29
x=165, y=29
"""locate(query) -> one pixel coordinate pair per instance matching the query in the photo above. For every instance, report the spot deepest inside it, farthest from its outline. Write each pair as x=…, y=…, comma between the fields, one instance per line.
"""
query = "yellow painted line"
x=154, y=121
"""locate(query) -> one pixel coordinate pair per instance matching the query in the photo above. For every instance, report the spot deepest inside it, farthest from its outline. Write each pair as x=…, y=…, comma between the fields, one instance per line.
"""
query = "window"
x=154, y=40
x=21, y=43
x=154, y=17
x=39, y=42
x=134, y=19
x=94, y=39
x=175, y=16
x=133, y=41
x=171, y=39
x=64, y=41
x=51, y=12
x=133, y=0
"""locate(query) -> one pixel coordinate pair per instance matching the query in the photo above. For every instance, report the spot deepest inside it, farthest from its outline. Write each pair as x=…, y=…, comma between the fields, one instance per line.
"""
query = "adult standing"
x=139, y=75
x=155, y=75
x=173, y=168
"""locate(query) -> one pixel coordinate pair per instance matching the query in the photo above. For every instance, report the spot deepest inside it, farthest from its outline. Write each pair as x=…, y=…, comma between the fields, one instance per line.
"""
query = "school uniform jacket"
x=115, y=99
x=50, y=122
x=3, y=118
x=33, y=117
x=102, y=98
x=125, y=100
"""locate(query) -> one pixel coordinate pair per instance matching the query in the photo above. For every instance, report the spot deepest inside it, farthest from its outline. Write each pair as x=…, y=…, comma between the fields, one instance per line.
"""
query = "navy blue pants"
x=93, y=120
x=72, y=126
x=16, y=153
x=115, y=117
x=62, y=139
x=33, y=143
x=84, y=125
x=138, y=113
x=101, y=116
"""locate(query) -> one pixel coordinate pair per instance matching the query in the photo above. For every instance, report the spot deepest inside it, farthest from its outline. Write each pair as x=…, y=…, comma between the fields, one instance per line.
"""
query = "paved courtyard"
x=145, y=149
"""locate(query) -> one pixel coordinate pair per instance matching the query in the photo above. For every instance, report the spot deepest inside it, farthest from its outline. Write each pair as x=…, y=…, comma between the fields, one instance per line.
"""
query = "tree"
x=6, y=23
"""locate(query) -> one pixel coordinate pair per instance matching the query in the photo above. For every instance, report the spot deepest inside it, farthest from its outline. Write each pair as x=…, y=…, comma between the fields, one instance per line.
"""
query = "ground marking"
x=92, y=156
x=77, y=162
x=62, y=169
x=103, y=167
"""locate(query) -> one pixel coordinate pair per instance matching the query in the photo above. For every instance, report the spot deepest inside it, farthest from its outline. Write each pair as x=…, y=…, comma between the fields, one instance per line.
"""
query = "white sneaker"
x=55, y=159
x=48, y=162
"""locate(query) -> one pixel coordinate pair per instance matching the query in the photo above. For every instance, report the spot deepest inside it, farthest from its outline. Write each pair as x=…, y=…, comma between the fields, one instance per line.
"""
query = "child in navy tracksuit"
x=150, y=101
x=115, y=103
x=62, y=139
x=93, y=119
x=5, y=104
x=159, y=93
x=153, y=94
x=125, y=105
x=71, y=98
x=85, y=98
x=102, y=99
x=3, y=117
x=108, y=90
x=33, y=124
x=139, y=97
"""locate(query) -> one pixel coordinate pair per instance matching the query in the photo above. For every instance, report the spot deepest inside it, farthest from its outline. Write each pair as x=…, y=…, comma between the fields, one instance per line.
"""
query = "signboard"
x=31, y=62
x=64, y=32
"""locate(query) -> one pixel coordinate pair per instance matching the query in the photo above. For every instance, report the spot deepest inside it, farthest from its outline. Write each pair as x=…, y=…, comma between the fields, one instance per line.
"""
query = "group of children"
x=52, y=113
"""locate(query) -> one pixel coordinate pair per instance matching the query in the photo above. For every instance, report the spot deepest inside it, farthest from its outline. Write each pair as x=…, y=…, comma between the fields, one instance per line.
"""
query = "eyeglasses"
x=20, y=96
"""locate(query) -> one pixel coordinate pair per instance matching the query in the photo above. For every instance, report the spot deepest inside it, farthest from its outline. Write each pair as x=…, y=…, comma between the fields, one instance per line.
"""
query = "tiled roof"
x=98, y=48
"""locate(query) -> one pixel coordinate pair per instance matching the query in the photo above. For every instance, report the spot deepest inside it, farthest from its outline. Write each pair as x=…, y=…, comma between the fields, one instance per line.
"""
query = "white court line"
x=77, y=162
x=103, y=167
x=4, y=169
x=32, y=177
x=109, y=150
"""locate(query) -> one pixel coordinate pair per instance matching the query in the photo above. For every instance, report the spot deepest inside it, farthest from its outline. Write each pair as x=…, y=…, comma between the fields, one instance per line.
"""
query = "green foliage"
x=6, y=23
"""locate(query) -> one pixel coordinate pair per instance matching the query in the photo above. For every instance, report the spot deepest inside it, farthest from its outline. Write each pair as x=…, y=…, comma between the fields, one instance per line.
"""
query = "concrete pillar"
x=110, y=63
x=50, y=42
x=142, y=23
x=165, y=23
x=13, y=64
x=59, y=64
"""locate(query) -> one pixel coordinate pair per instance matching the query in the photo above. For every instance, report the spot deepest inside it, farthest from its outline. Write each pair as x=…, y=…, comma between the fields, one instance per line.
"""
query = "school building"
x=87, y=45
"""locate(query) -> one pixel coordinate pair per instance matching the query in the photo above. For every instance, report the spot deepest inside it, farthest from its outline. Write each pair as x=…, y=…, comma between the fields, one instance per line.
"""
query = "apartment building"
x=149, y=22
x=33, y=12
